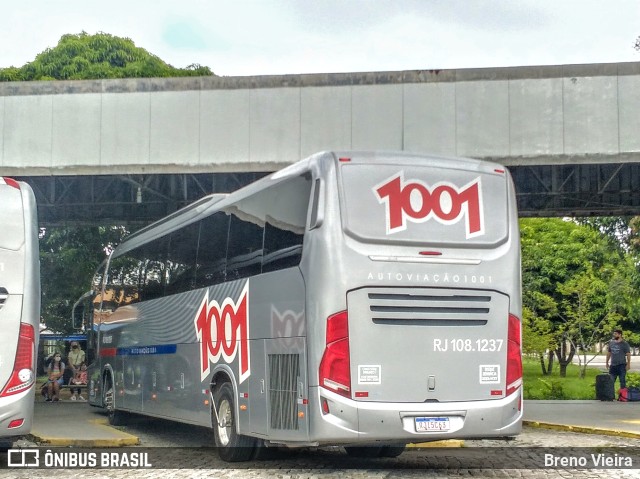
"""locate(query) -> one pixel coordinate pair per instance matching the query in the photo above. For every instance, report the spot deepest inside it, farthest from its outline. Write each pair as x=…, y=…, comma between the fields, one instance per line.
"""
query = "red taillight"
x=335, y=367
x=10, y=182
x=514, y=356
x=23, y=374
x=15, y=423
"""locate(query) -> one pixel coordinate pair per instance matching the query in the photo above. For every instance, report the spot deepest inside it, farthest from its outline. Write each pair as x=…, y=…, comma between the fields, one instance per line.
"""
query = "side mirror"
x=81, y=310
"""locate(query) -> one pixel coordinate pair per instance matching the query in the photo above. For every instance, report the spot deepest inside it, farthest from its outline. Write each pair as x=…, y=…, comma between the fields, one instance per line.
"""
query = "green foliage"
x=633, y=379
x=554, y=389
x=538, y=386
x=576, y=286
x=68, y=260
x=84, y=56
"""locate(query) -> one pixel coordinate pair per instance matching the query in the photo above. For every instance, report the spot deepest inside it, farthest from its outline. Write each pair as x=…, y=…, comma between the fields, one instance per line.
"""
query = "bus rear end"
x=19, y=307
x=424, y=340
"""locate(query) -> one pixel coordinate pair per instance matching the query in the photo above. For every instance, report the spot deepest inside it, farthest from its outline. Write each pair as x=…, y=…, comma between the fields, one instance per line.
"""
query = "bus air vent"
x=431, y=308
x=284, y=370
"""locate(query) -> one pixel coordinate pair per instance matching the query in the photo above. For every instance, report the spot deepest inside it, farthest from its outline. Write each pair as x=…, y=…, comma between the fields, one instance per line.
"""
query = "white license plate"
x=432, y=424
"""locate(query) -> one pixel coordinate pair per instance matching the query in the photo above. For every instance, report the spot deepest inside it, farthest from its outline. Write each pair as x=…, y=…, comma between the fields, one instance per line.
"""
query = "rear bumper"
x=17, y=406
x=365, y=422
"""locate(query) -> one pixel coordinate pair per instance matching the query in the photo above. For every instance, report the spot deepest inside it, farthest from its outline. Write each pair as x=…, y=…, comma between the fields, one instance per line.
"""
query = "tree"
x=84, y=56
x=575, y=280
x=68, y=260
x=537, y=338
x=69, y=256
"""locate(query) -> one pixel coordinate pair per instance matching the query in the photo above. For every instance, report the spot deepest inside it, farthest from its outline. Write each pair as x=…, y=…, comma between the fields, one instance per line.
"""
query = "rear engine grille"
x=284, y=370
x=437, y=308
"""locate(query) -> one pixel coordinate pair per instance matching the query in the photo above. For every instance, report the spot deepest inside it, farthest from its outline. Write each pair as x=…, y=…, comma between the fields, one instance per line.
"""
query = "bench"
x=67, y=388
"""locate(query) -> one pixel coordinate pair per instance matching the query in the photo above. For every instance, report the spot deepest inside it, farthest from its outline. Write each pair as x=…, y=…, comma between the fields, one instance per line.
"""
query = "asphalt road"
x=599, y=362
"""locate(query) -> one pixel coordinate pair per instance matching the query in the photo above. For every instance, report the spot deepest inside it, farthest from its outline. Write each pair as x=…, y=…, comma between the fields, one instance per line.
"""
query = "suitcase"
x=633, y=394
x=604, y=387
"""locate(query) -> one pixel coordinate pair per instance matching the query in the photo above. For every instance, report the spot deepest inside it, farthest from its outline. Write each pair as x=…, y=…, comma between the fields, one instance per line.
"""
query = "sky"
x=273, y=37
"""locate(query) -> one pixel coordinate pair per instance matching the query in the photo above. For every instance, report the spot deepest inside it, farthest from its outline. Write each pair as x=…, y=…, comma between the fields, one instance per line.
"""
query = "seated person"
x=79, y=379
x=56, y=377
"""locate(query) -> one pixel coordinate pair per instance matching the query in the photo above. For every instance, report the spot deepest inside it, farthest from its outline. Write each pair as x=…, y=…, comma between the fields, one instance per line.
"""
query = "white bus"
x=19, y=307
x=368, y=300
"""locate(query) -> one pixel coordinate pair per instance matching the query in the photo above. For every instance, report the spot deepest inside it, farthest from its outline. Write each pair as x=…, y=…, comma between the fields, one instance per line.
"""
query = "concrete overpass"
x=136, y=149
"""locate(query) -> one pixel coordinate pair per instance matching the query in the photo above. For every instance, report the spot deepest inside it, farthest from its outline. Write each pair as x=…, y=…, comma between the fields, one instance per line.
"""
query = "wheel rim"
x=108, y=397
x=225, y=422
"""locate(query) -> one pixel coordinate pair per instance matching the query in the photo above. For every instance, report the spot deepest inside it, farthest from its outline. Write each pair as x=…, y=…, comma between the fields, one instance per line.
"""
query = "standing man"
x=618, y=358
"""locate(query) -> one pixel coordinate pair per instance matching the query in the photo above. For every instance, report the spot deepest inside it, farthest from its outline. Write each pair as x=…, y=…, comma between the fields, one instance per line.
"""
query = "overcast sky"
x=240, y=37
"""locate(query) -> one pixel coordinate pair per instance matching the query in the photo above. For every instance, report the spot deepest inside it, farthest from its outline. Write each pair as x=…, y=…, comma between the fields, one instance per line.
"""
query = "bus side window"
x=123, y=281
x=153, y=275
x=244, y=253
x=181, y=261
x=282, y=248
x=212, y=250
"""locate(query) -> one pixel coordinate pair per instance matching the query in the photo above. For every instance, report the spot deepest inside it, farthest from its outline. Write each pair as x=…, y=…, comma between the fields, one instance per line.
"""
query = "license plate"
x=432, y=424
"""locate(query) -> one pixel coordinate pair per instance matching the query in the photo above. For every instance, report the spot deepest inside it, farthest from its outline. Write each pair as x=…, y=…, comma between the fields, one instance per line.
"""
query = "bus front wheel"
x=116, y=418
x=232, y=447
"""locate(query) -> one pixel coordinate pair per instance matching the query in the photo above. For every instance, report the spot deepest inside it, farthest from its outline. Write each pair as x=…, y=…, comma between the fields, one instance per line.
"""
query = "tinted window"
x=244, y=253
x=212, y=250
x=285, y=224
x=123, y=282
x=153, y=273
x=181, y=260
x=282, y=248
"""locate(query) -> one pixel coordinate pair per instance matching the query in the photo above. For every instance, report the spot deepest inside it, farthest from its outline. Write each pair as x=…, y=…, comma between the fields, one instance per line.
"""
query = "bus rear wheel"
x=116, y=418
x=392, y=450
x=232, y=447
x=363, y=451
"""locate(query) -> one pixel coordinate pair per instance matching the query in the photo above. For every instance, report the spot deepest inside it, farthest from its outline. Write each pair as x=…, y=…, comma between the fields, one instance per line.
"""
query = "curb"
x=124, y=438
x=581, y=429
x=443, y=443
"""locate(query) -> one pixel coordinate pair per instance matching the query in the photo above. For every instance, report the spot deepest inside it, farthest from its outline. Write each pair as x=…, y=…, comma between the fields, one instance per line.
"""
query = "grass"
x=537, y=386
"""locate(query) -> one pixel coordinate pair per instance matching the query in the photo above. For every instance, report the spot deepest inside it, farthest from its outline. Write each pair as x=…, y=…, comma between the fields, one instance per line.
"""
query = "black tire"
x=363, y=451
x=5, y=445
x=392, y=450
x=116, y=418
x=232, y=447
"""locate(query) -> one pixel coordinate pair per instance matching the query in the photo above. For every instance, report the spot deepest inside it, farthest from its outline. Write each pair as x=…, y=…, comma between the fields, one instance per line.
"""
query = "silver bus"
x=361, y=299
x=19, y=307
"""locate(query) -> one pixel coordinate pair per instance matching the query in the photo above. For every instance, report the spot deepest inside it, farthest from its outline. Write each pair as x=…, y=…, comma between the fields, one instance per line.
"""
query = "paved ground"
x=70, y=423
x=479, y=458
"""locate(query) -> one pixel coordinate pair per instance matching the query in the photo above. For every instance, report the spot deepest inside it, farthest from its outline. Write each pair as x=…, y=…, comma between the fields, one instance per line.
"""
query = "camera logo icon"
x=23, y=458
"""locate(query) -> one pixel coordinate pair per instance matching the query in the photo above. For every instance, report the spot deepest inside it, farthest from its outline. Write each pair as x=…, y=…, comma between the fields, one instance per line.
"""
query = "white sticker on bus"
x=489, y=374
x=369, y=374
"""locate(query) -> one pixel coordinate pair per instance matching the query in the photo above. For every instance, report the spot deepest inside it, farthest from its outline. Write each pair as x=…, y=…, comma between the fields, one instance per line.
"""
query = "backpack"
x=623, y=395
x=629, y=394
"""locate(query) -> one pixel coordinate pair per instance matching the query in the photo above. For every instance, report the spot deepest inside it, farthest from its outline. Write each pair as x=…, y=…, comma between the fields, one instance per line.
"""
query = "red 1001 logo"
x=222, y=330
x=445, y=202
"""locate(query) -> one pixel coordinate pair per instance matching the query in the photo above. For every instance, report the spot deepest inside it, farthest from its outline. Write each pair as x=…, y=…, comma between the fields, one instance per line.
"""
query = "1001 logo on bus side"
x=222, y=330
x=445, y=202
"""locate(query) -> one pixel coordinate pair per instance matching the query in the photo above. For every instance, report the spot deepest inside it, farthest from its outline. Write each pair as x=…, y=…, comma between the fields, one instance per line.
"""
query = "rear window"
x=416, y=204
x=11, y=218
